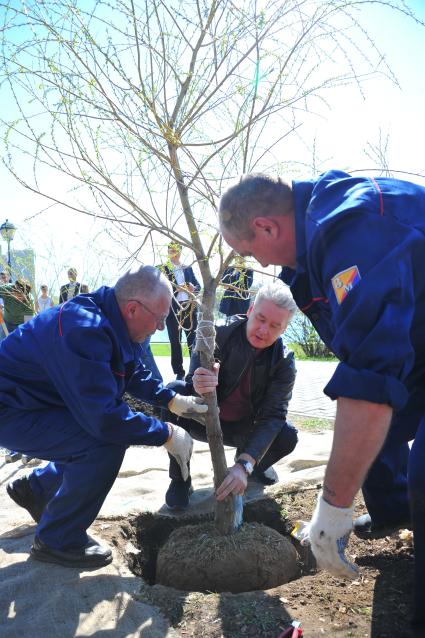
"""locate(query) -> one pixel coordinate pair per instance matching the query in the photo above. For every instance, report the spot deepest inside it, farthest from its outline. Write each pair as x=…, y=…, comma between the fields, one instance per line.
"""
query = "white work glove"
x=328, y=533
x=189, y=407
x=180, y=446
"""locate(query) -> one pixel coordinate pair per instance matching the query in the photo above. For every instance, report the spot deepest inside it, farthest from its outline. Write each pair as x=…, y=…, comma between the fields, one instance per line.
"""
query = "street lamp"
x=7, y=231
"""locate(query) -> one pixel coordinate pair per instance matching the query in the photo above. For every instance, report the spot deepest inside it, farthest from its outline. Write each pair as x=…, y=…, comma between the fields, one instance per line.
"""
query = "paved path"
x=307, y=399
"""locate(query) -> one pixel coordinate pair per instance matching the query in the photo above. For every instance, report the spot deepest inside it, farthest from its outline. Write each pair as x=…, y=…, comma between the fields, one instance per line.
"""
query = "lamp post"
x=7, y=231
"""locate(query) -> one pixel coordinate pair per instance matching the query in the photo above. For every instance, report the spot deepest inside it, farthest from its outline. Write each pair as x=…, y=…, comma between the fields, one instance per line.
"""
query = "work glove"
x=189, y=407
x=328, y=534
x=180, y=446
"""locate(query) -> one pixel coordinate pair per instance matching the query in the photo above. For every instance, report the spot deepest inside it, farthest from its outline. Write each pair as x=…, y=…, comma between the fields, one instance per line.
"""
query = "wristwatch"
x=247, y=466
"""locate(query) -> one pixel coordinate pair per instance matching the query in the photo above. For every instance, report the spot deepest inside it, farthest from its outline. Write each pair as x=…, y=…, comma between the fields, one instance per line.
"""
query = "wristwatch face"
x=248, y=467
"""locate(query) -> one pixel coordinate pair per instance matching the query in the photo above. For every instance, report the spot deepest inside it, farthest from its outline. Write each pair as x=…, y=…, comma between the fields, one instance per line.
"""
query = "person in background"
x=43, y=301
x=182, y=315
x=71, y=289
x=254, y=382
x=19, y=308
x=3, y=280
x=3, y=328
x=79, y=359
x=353, y=252
x=237, y=280
x=84, y=289
x=18, y=303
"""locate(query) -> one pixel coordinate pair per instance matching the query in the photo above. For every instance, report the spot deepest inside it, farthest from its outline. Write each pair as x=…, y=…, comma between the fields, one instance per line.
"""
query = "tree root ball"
x=199, y=558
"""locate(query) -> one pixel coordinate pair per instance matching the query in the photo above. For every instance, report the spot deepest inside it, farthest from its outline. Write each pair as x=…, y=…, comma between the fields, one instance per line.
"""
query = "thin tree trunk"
x=228, y=513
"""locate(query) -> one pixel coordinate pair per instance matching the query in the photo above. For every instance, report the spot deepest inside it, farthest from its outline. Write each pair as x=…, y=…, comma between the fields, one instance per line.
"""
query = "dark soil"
x=376, y=605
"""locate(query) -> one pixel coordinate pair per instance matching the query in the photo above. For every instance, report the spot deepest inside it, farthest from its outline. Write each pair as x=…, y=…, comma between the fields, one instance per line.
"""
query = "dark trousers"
x=178, y=319
x=235, y=434
x=75, y=483
x=394, y=488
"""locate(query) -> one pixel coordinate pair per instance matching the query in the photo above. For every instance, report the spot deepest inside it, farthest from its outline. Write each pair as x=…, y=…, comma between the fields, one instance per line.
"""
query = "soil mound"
x=199, y=558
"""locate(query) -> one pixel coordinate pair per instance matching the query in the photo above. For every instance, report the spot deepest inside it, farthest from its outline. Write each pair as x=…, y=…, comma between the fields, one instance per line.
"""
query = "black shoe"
x=178, y=494
x=89, y=556
x=363, y=527
x=20, y=491
x=180, y=376
x=266, y=477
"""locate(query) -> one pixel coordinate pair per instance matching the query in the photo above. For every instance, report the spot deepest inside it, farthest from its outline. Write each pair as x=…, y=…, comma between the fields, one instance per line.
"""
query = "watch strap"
x=247, y=466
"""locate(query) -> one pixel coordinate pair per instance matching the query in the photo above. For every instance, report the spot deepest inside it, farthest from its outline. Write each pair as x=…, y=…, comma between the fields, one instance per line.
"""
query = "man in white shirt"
x=182, y=314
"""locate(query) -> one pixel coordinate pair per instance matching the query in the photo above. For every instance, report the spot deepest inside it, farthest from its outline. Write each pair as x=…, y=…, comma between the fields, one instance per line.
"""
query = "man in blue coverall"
x=62, y=379
x=353, y=251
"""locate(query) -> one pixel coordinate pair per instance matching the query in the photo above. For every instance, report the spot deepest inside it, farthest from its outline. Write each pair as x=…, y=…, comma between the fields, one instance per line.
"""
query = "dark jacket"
x=63, y=295
x=272, y=380
x=235, y=300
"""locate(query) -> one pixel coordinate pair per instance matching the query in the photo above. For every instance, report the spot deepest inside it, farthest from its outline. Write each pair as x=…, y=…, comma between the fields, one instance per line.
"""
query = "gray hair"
x=256, y=195
x=278, y=293
x=147, y=282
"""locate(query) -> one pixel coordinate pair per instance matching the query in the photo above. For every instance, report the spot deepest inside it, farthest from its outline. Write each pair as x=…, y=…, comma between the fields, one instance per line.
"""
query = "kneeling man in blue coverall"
x=62, y=379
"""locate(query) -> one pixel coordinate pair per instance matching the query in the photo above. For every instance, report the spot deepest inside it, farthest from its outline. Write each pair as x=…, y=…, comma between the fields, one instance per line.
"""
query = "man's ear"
x=265, y=226
x=250, y=309
x=128, y=310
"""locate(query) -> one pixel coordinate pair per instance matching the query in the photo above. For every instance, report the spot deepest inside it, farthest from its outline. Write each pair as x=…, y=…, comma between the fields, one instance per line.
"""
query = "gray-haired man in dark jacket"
x=254, y=378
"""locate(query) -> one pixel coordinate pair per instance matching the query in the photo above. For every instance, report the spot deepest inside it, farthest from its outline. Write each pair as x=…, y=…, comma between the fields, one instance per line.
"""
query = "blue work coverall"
x=359, y=277
x=62, y=378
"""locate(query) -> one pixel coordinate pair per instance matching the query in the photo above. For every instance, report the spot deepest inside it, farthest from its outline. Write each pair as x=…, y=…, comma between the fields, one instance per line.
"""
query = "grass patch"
x=164, y=350
x=309, y=423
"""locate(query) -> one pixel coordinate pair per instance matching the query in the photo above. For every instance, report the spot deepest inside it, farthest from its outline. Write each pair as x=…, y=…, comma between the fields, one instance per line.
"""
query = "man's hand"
x=180, y=445
x=204, y=380
x=188, y=407
x=234, y=483
x=329, y=531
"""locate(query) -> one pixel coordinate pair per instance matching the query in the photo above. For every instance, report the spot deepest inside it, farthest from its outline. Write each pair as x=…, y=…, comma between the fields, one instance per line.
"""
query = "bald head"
x=144, y=298
x=147, y=282
x=256, y=195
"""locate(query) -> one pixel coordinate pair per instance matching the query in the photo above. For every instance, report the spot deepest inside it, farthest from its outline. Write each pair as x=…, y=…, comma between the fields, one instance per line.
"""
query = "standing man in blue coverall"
x=62, y=379
x=353, y=251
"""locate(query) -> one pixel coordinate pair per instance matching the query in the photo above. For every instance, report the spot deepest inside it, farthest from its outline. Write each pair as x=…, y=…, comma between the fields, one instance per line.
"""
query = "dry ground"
x=377, y=604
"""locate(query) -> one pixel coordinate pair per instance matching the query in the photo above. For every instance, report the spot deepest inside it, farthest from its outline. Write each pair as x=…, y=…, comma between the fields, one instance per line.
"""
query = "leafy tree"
x=302, y=333
x=141, y=111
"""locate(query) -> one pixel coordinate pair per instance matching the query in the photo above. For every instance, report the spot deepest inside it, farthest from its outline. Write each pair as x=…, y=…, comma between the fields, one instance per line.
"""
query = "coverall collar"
x=105, y=298
x=302, y=192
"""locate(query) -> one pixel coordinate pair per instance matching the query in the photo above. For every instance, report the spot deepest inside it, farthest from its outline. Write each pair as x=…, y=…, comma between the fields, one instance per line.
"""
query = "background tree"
x=147, y=109
x=302, y=334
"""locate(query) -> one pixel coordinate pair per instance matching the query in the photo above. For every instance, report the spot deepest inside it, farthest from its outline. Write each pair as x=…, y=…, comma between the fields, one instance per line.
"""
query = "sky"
x=340, y=134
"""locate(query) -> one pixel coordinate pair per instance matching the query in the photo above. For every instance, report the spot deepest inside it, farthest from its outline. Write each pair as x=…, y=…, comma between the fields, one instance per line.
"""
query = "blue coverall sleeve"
x=372, y=319
x=147, y=388
x=92, y=389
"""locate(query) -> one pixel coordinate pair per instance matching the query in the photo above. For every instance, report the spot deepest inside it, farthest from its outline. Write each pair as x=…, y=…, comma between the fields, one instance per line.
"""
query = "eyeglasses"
x=160, y=319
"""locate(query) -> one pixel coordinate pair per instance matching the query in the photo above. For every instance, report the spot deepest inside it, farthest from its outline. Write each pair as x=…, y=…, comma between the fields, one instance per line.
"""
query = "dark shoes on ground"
x=266, y=477
x=20, y=491
x=90, y=556
x=364, y=527
x=178, y=494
